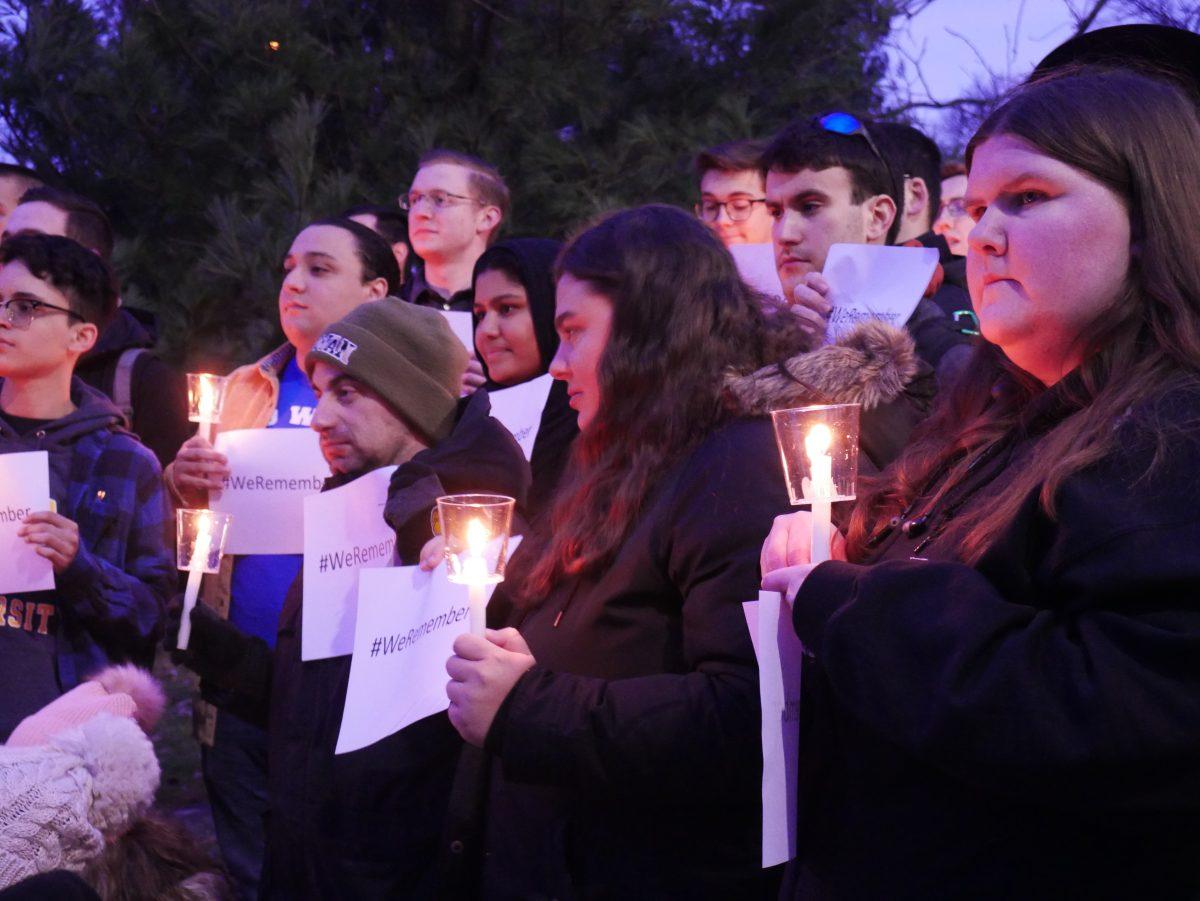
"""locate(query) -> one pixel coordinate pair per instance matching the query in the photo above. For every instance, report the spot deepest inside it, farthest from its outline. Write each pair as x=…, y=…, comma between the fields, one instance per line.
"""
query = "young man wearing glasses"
x=105, y=538
x=827, y=183
x=732, y=193
x=455, y=207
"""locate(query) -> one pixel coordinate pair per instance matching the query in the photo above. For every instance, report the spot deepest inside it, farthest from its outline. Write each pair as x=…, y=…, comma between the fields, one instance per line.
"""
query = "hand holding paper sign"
x=788, y=581
x=810, y=306
x=53, y=536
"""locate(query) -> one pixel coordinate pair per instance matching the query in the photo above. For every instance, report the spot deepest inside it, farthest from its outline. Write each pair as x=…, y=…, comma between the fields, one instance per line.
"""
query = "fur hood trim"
x=871, y=366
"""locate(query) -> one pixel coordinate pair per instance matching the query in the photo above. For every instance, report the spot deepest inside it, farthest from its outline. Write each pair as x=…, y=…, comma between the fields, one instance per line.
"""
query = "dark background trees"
x=211, y=130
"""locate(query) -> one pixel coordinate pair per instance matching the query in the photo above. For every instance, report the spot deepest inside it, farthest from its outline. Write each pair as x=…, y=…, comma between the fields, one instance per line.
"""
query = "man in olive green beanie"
x=406, y=354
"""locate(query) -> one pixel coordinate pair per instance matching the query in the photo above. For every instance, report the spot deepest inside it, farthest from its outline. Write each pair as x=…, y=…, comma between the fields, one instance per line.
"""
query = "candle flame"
x=208, y=398
x=477, y=537
x=818, y=440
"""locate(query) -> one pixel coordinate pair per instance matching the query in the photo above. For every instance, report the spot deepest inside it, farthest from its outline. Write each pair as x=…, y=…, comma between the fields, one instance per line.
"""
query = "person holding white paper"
x=332, y=267
x=515, y=339
x=828, y=183
x=364, y=824
x=623, y=709
x=113, y=571
x=1005, y=648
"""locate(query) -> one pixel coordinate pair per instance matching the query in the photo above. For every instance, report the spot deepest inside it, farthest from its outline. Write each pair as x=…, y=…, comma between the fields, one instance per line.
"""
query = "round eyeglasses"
x=738, y=209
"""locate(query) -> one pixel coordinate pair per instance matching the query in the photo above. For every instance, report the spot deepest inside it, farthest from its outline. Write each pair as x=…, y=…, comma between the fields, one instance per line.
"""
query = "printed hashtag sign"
x=344, y=535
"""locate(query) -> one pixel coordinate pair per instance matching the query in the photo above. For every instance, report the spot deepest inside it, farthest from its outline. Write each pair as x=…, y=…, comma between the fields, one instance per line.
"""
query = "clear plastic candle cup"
x=819, y=449
x=476, y=529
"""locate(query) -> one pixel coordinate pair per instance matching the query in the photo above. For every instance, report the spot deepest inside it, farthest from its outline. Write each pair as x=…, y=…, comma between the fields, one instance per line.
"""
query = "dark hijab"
x=531, y=262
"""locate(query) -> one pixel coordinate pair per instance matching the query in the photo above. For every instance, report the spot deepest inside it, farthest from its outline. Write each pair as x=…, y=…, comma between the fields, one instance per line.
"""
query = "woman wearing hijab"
x=515, y=340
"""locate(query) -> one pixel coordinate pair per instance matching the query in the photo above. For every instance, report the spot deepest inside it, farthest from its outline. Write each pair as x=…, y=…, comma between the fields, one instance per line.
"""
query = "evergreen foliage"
x=212, y=130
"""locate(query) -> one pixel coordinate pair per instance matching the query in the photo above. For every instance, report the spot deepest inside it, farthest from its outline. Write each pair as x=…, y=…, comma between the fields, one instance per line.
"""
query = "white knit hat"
x=59, y=801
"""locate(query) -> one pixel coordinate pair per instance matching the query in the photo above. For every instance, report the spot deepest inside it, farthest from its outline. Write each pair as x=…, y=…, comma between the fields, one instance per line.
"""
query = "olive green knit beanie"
x=407, y=354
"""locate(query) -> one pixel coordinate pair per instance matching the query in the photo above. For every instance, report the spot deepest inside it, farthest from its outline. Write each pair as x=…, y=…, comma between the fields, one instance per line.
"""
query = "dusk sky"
x=1011, y=35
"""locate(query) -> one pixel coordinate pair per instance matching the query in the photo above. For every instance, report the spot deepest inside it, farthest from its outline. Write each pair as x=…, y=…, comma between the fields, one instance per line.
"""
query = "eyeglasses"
x=738, y=209
x=20, y=311
x=439, y=200
x=851, y=126
x=955, y=208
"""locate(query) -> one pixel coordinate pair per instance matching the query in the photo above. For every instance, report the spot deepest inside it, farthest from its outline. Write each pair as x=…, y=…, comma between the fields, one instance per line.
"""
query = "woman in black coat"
x=515, y=340
x=1003, y=697
x=623, y=715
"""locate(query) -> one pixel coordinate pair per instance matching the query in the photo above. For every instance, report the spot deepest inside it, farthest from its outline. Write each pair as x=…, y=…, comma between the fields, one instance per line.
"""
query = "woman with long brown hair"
x=623, y=716
x=1003, y=697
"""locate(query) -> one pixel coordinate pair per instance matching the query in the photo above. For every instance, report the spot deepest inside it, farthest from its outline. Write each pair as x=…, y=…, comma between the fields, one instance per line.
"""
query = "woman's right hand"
x=790, y=543
x=199, y=469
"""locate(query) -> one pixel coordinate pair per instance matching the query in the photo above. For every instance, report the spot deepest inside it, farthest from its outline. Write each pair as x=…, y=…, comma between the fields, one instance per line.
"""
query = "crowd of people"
x=1001, y=682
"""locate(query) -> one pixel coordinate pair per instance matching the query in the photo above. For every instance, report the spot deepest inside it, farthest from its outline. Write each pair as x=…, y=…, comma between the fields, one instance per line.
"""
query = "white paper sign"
x=24, y=489
x=868, y=281
x=344, y=533
x=463, y=326
x=407, y=623
x=779, y=656
x=756, y=265
x=520, y=407
x=273, y=470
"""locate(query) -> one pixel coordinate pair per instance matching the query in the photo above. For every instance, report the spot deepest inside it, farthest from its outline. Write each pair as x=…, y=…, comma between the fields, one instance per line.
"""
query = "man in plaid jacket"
x=106, y=538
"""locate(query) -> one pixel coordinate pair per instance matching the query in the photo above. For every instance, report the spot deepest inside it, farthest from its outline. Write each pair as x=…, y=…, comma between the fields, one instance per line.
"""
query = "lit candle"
x=475, y=573
x=820, y=483
x=208, y=407
x=196, y=567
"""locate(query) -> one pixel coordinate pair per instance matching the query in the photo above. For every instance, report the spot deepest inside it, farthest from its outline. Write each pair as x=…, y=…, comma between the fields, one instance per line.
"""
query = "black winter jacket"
x=627, y=761
x=364, y=824
x=1027, y=727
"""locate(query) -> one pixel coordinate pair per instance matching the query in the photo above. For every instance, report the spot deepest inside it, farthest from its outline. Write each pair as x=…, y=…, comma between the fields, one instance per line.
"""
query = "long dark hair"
x=682, y=318
x=1139, y=137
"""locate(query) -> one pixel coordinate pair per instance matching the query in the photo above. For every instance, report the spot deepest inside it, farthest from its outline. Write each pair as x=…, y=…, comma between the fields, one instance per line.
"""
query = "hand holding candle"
x=476, y=528
x=198, y=534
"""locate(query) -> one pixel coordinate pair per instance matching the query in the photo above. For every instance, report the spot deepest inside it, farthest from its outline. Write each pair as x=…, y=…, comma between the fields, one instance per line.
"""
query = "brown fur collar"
x=872, y=365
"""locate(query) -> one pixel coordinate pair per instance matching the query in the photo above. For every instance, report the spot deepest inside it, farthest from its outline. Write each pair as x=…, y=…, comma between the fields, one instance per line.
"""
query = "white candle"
x=475, y=573
x=208, y=406
x=196, y=567
x=820, y=463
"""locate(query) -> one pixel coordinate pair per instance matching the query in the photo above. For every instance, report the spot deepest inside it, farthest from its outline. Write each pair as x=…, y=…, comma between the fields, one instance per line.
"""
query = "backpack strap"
x=122, y=389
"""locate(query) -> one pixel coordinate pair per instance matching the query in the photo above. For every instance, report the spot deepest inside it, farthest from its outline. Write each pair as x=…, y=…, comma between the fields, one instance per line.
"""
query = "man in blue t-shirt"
x=332, y=267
